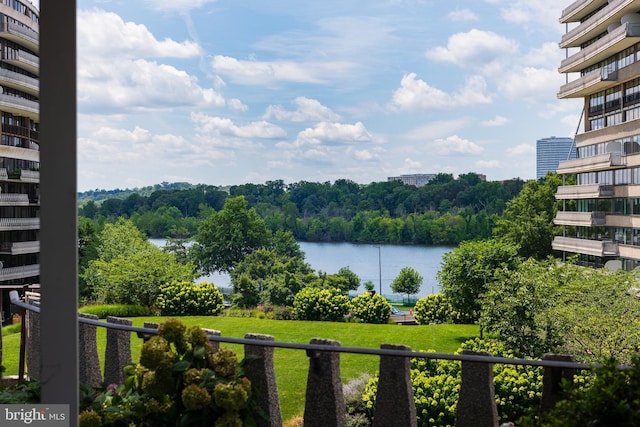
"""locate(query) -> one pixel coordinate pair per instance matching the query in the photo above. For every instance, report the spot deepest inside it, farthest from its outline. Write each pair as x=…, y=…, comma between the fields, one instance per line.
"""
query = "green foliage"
x=179, y=380
x=227, y=236
x=592, y=314
x=245, y=292
x=130, y=269
x=468, y=268
x=528, y=219
x=371, y=308
x=435, y=308
x=407, y=282
x=610, y=398
x=20, y=392
x=117, y=310
x=189, y=299
x=436, y=386
x=328, y=304
x=353, y=281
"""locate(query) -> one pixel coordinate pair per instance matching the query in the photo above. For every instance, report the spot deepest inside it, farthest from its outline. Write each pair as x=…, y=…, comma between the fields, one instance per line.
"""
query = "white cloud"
x=435, y=129
x=534, y=14
x=416, y=94
x=455, y=145
x=521, y=150
x=334, y=133
x=463, y=15
x=219, y=126
x=236, y=104
x=271, y=72
x=107, y=35
x=496, y=121
x=476, y=49
x=532, y=83
x=140, y=85
x=489, y=164
x=307, y=110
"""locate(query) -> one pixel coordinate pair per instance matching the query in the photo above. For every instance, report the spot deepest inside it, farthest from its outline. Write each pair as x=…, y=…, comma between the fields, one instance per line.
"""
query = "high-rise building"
x=600, y=219
x=417, y=179
x=19, y=148
x=550, y=152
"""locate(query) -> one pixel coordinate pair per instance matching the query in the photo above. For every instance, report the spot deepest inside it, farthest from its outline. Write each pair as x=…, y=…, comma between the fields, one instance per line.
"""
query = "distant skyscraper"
x=550, y=152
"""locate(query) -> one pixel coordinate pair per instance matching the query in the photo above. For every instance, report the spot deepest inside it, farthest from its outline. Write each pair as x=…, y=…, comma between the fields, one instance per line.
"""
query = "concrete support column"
x=476, y=402
x=117, y=353
x=552, y=380
x=89, y=371
x=324, y=405
x=394, y=398
x=262, y=374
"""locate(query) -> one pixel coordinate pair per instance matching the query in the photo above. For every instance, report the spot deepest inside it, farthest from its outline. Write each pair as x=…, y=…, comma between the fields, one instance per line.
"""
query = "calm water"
x=362, y=259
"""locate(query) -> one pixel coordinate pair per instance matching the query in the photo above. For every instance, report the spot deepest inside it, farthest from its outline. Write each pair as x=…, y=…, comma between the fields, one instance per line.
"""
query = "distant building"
x=550, y=152
x=418, y=179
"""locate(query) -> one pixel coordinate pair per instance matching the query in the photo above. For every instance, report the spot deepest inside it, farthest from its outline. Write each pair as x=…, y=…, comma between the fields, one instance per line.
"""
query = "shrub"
x=371, y=308
x=321, y=304
x=190, y=299
x=435, y=308
x=436, y=386
x=117, y=310
x=179, y=380
x=611, y=397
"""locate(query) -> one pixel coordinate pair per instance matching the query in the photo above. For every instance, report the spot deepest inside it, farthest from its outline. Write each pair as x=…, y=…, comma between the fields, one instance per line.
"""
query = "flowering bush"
x=321, y=304
x=436, y=386
x=179, y=380
x=435, y=308
x=370, y=308
x=190, y=299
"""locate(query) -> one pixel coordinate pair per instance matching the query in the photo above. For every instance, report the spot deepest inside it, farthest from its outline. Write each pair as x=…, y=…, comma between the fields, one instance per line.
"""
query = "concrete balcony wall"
x=591, y=191
x=583, y=219
x=598, y=23
x=584, y=246
x=591, y=164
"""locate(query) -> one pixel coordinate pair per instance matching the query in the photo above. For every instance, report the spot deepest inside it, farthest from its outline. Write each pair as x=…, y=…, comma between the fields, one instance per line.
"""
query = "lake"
x=362, y=259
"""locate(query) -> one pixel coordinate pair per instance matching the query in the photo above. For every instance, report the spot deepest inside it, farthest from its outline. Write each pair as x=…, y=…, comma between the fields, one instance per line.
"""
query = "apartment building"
x=600, y=218
x=550, y=152
x=417, y=179
x=19, y=148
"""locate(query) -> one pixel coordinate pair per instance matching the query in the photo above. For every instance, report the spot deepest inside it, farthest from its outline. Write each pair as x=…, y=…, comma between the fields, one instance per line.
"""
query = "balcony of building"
x=591, y=164
x=20, y=106
x=589, y=191
x=14, y=199
x=20, y=272
x=595, y=81
x=20, y=248
x=29, y=176
x=577, y=10
x=598, y=23
x=11, y=224
x=22, y=59
x=584, y=246
x=620, y=38
x=580, y=219
x=20, y=34
x=19, y=81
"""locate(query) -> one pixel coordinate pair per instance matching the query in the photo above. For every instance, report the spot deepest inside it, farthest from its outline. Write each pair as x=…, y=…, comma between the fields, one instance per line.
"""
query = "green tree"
x=468, y=268
x=528, y=219
x=227, y=236
x=121, y=238
x=407, y=282
x=353, y=281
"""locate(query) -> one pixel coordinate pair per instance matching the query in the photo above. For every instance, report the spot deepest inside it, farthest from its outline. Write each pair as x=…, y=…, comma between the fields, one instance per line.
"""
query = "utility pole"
x=379, y=268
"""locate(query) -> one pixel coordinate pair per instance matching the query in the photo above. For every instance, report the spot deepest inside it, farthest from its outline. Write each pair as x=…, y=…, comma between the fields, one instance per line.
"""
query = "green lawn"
x=291, y=365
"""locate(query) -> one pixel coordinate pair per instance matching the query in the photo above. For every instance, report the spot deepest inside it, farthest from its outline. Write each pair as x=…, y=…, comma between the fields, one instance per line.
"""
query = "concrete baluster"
x=89, y=372
x=394, y=399
x=117, y=353
x=476, y=402
x=32, y=344
x=214, y=344
x=261, y=373
x=551, y=381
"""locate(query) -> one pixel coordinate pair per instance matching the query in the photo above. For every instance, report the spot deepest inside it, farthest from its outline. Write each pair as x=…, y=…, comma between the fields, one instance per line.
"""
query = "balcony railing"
x=25, y=35
x=594, y=81
x=591, y=164
x=582, y=7
x=18, y=103
x=20, y=272
x=8, y=224
x=589, y=191
x=13, y=79
x=29, y=175
x=476, y=404
x=598, y=23
x=597, y=248
x=14, y=199
x=622, y=37
x=585, y=219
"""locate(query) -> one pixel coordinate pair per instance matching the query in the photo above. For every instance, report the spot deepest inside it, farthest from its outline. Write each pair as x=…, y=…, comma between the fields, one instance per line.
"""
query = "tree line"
x=446, y=211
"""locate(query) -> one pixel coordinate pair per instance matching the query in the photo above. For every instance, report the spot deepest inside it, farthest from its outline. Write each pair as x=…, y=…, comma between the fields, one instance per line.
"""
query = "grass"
x=291, y=366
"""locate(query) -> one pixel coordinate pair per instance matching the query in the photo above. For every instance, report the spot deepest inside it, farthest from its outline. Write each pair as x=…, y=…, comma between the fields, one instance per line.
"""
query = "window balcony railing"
x=14, y=199
x=13, y=79
x=8, y=224
x=591, y=164
x=476, y=403
x=580, y=8
x=21, y=272
x=598, y=23
x=584, y=219
x=25, y=35
x=20, y=104
x=29, y=175
x=589, y=191
x=18, y=248
x=576, y=245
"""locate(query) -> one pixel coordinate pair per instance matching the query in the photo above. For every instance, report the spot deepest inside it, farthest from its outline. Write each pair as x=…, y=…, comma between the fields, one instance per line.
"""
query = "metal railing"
x=477, y=381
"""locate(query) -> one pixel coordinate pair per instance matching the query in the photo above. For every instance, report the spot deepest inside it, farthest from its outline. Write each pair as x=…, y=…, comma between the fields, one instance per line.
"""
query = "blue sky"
x=228, y=92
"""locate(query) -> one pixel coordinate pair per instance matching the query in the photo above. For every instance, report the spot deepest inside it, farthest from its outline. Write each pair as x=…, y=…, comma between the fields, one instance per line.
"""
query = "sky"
x=225, y=92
